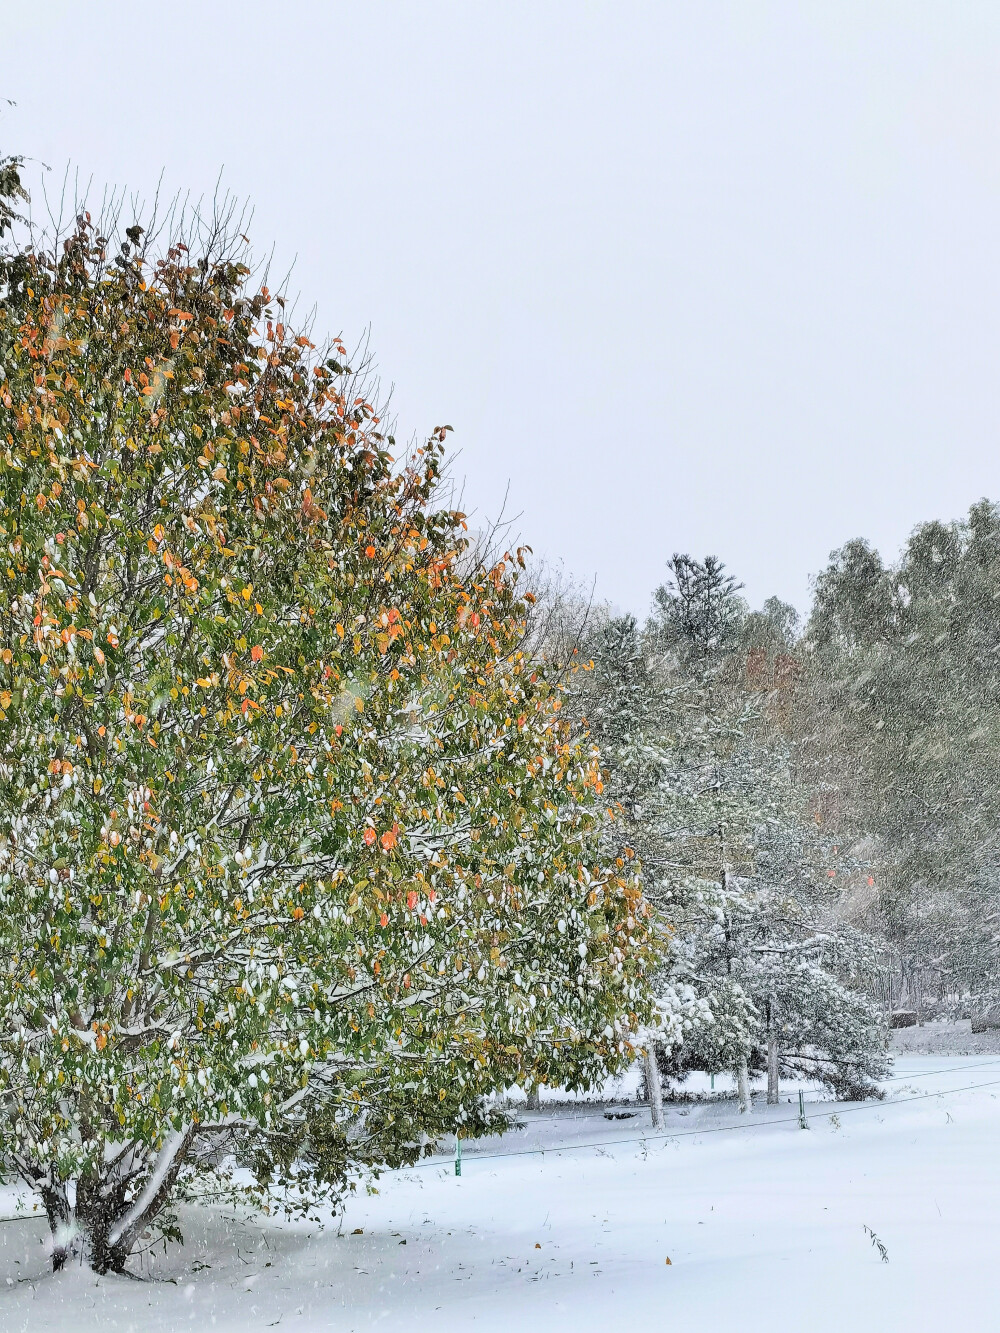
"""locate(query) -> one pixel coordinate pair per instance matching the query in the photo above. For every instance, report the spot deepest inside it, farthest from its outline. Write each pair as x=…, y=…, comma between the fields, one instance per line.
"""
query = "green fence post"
x=458, y=1155
x=802, y=1111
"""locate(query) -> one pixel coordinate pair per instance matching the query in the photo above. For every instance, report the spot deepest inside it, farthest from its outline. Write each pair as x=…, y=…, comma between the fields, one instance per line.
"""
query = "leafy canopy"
x=295, y=851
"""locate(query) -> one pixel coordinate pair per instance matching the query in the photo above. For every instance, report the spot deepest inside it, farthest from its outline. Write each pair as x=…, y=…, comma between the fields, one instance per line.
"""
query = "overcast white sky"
x=701, y=277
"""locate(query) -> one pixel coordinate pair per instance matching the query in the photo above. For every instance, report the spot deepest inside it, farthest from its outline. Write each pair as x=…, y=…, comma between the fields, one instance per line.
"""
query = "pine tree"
x=763, y=933
x=698, y=611
x=12, y=191
x=691, y=720
x=904, y=668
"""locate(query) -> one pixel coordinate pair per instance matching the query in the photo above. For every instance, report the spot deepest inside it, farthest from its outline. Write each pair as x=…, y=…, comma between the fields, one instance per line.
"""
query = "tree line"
x=813, y=804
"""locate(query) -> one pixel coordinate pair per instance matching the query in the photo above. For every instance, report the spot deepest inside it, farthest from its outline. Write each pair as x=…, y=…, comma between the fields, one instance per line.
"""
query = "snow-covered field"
x=763, y=1224
x=946, y=1039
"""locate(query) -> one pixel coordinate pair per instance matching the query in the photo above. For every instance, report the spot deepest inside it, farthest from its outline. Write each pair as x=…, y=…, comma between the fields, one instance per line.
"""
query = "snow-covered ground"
x=763, y=1224
x=946, y=1039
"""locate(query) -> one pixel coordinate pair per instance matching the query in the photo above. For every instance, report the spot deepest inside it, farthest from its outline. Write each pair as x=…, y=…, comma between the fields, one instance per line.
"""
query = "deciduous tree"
x=296, y=856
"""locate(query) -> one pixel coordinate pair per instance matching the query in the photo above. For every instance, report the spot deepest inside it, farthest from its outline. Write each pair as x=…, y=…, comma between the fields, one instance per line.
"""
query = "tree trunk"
x=534, y=1097
x=60, y=1219
x=84, y=1233
x=111, y=1210
x=743, y=1086
x=772, y=1069
x=653, y=1087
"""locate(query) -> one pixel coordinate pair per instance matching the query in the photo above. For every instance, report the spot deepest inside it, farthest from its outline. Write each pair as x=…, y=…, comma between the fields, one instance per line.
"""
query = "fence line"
x=442, y=1162
x=628, y=1107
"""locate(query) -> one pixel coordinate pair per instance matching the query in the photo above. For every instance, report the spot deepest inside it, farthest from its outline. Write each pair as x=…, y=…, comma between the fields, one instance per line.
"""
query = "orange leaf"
x=256, y=652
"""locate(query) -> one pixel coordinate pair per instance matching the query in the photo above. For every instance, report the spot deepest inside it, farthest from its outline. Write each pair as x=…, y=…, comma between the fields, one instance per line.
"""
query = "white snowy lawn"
x=763, y=1225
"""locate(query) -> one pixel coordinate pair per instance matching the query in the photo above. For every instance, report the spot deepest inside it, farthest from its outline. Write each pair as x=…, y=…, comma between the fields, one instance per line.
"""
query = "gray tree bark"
x=653, y=1087
x=743, y=1086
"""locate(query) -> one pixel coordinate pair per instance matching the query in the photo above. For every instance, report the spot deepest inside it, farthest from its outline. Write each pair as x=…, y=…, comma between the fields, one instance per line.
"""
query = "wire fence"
x=647, y=1139
x=626, y=1109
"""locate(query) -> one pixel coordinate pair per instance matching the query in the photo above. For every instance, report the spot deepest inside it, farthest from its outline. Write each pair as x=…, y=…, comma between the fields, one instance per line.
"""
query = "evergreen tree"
x=905, y=671
x=698, y=611
x=774, y=925
x=11, y=192
x=692, y=723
